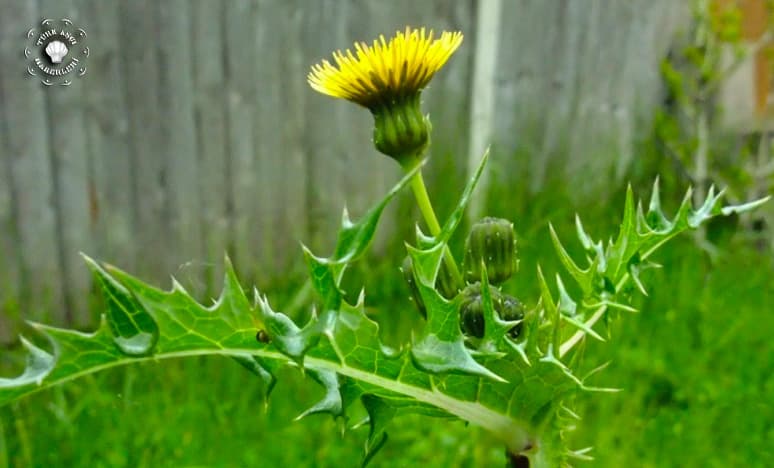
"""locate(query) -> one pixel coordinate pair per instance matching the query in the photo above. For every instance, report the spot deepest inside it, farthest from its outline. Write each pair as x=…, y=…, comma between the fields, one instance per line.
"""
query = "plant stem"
x=423, y=200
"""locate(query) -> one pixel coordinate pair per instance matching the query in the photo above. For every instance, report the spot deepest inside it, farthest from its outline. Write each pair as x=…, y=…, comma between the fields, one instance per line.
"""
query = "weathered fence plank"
x=291, y=183
x=178, y=142
x=106, y=120
x=241, y=55
x=482, y=85
x=327, y=146
x=10, y=260
x=26, y=155
x=215, y=197
x=270, y=108
x=68, y=158
x=149, y=168
x=574, y=78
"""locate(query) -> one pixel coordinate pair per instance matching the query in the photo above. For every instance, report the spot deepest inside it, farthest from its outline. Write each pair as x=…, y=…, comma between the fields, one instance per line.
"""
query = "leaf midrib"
x=514, y=434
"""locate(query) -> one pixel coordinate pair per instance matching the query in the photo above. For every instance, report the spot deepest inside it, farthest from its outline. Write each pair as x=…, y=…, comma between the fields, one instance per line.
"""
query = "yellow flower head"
x=385, y=71
x=388, y=79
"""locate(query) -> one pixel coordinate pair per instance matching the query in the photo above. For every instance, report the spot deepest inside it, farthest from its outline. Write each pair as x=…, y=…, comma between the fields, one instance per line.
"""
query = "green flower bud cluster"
x=507, y=307
x=491, y=244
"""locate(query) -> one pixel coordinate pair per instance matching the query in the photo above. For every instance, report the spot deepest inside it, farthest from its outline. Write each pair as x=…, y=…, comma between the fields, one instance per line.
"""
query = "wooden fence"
x=194, y=131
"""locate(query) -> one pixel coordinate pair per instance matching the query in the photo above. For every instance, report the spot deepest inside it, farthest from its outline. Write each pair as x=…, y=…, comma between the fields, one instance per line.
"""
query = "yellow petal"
x=386, y=70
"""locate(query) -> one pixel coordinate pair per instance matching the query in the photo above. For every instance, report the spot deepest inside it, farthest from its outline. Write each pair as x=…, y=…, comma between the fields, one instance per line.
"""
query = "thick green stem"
x=423, y=200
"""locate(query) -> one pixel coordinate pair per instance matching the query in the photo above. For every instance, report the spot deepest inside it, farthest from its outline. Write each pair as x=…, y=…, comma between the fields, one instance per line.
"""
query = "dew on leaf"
x=140, y=344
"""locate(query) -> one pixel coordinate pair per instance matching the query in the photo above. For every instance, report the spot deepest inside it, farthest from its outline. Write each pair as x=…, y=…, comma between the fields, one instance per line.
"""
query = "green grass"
x=210, y=412
x=696, y=365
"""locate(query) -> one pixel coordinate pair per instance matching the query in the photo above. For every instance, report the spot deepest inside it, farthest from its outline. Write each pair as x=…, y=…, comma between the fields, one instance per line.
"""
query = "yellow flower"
x=387, y=78
x=386, y=70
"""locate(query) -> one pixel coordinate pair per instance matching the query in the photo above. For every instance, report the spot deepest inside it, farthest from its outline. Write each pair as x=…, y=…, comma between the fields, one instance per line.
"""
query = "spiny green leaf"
x=567, y=306
x=380, y=413
x=324, y=280
x=133, y=329
x=352, y=241
x=264, y=370
x=584, y=278
x=624, y=247
x=459, y=211
x=350, y=349
x=655, y=217
x=38, y=365
x=285, y=335
x=585, y=239
x=582, y=326
x=354, y=238
x=610, y=269
x=742, y=208
x=495, y=329
x=552, y=311
x=441, y=346
x=331, y=403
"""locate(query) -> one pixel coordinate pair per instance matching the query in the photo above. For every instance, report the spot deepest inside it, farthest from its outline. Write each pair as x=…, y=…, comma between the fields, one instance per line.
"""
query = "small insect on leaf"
x=262, y=337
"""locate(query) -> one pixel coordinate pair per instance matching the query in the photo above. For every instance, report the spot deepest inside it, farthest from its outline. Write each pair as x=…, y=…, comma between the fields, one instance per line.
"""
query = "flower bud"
x=493, y=241
x=507, y=307
x=400, y=130
x=472, y=310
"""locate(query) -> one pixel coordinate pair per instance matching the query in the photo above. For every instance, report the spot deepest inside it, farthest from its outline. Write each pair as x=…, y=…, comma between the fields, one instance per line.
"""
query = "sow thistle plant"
x=481, y=356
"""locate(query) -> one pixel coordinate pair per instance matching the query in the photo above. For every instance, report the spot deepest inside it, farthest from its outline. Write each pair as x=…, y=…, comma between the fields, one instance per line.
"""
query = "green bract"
x=401, y=131
x=518, y=386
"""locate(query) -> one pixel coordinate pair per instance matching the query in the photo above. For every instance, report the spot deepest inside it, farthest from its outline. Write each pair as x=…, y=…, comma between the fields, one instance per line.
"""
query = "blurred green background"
x=588, y=96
